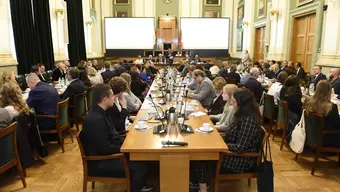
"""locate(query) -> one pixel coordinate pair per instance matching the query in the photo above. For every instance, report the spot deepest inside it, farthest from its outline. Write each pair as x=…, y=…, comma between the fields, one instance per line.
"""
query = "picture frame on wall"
x=212, y=2
x=302, y=2
x=121, y=2
x=240, y=16
x=123, y=13
x=261, y=8
x=212, y=14
x=239, y=41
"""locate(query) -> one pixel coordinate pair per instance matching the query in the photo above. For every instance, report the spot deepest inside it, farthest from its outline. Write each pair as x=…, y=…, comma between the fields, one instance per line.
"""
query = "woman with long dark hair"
x=244, y=135
x=291, y=93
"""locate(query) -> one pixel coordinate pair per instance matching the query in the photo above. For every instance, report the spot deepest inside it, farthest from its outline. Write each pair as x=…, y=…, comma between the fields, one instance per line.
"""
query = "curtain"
x=42, y=23
x=76, y=46
x=32, y=33
x=25, y=37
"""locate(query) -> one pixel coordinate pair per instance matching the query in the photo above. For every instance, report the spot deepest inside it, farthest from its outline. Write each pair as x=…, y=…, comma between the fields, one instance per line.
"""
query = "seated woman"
x=218, y=103
x=226, y=118
x=244, y=136
x=137, y=85
x=133, y=102
x=205, y=93
x=11, y=99
x=321, y=104
x=191, y=81
x=118, y=112
x=144, y=75
x=8, y=76
x=275, y=88
x=291, y=93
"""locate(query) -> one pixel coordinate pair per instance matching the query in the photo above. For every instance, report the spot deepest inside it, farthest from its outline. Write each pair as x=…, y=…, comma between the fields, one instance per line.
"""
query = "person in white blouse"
x=132, y=101
x=214, y=70
x=226, y=118
x=139, y=60
x=275, y=88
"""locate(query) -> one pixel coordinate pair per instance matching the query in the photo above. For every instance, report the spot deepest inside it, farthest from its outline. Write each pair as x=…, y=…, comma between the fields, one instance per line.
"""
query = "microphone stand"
x=180, y=111
x=186, y=128
x=158, y=129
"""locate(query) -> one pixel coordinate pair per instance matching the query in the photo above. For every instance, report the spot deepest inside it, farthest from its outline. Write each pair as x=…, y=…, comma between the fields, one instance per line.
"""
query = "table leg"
x=174, y=173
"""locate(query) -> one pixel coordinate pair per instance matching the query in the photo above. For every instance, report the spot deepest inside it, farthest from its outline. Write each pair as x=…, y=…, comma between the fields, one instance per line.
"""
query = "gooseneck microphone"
x=186, y=100
x=180, y=111
x=174, y=143
x=159, y=116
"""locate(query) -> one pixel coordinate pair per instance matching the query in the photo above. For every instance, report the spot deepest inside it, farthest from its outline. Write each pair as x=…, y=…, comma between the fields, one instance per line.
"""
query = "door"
x=303, y=39
x=259, y=43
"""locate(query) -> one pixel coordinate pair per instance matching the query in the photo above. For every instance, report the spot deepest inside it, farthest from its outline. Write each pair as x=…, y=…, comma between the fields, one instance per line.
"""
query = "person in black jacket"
x=218, y=103
x=300, y=72
x=137, y=86
x=223, y=72
x=233, y=74
x=253, y=85
x=100, y=137
x=318, y=75
x=75, y=87
x=335, y=74
x=107, y=74
x=59, y=72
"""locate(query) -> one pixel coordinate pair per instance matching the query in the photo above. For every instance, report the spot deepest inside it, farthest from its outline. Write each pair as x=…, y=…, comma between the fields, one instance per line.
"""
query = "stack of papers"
x=198, y=114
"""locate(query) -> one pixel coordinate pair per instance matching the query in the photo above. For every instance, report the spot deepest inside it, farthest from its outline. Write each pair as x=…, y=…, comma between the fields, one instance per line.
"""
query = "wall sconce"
x=59, y=12
x=274, y=12
x=89, y=23
x=244, y=23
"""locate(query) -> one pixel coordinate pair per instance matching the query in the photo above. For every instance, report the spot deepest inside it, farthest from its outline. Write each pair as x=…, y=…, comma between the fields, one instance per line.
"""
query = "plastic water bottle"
x=311, y=89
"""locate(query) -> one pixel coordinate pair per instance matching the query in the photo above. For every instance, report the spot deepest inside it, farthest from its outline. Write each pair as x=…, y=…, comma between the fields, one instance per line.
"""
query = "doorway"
x=303, y=40
x=260, y=36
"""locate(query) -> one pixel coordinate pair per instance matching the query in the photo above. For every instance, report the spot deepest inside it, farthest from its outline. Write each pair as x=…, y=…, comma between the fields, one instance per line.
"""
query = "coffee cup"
x=180, y=120
x=141, y=124
x=206, y=127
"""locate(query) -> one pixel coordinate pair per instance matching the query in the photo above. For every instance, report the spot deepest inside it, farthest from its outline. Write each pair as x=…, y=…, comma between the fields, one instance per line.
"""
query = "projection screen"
x=129, y=33
x=205, y=33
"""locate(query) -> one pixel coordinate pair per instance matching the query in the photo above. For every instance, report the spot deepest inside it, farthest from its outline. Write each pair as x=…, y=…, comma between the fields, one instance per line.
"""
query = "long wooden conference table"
x=174, y=161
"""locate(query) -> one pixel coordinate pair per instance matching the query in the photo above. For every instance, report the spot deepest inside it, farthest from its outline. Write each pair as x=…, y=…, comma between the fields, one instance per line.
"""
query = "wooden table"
x=174, y=161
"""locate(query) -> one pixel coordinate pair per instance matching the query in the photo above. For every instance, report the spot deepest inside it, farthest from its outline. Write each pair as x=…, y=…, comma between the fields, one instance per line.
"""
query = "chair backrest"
x=79, y=103
x=314, y=124
x=282, y=115
x=8, y=146
x=269, y=106
x=265, y=136
x=62, y=113
x=89, y=97
x=231, y=81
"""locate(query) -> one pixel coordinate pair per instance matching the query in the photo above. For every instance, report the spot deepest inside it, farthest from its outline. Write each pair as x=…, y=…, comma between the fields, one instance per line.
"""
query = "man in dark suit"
x=300, y=72
x=75, y=87
x=223, y=72
x=39, y=70
x=335, y=74
x=95, y=65
x=253, y=85
x=100, y=137
x=44, y=99
x=233, y=74
x=160, y=59
x=59, y=72
x=197, y=59
x=318, y=75
x=107, y=74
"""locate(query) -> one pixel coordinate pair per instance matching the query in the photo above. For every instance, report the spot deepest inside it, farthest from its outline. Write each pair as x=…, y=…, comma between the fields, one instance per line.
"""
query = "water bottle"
x=311, y=89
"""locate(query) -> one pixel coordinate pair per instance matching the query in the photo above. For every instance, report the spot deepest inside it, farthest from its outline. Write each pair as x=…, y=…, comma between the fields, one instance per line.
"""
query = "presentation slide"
x=205, y=33
x=129, y=33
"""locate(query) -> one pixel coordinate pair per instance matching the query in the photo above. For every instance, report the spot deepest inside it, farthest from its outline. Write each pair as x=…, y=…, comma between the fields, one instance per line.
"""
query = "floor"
x=63, y=172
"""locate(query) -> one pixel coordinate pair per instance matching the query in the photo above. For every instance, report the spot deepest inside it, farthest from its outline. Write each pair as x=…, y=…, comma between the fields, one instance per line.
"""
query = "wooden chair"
x=62, y=122
x=269, y=111
x=89, y=98
x=253, y=174
x=282, y=119
x=9, y=151
x=93, y=179
x=314, y=125
x=79, y=108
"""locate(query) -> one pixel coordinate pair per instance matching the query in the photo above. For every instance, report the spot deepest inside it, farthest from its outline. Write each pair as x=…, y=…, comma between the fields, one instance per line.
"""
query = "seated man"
x=253, y=85
x=100, y=137
x=59, y=72
x=107, y=74
x=233, y=74
x=44, y=99
x=335, y=76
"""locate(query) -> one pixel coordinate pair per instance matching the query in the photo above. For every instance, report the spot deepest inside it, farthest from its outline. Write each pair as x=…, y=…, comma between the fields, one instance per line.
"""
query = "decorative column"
x=248, y=26
x=7, y=48
x=330, y=45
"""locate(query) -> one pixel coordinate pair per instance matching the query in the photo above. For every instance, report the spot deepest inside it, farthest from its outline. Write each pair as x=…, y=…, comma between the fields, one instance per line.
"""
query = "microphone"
x=157, y=129
x=176, y=143
x=180, y=111
x=185, y=104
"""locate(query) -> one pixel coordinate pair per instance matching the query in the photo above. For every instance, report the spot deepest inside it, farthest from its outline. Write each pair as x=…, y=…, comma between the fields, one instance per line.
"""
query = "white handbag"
x=297, y=142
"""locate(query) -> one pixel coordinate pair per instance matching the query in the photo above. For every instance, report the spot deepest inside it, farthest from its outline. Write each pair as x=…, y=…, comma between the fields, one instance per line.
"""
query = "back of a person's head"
x=191, y=68
x=282, y=77
x=74, y=73
x=82, y=63
x=134, y=69
x=246, y=105
x=292, y=85
x=8, y=76
x=35, y=69
x=107, y=65
x=320, y=102
x=298, y=64
x=118, y=85
x=139, y=67
x=254, y=72
x=126, y=77
x=116, y=66
x=233, y=68
x=198, y=72
x=10, y=94
x=200, y=67
x=32, y=77
x=99, y=92
x=219, y=83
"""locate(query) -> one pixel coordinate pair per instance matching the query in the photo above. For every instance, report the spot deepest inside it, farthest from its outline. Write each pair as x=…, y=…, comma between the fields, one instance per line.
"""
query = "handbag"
x=265, y=172
x=261, y=104
x=42, y=149
x=297, y=142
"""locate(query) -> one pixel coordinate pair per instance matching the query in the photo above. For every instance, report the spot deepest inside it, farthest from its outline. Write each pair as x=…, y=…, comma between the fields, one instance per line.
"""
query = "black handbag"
x=265, y=172
x=42, y=149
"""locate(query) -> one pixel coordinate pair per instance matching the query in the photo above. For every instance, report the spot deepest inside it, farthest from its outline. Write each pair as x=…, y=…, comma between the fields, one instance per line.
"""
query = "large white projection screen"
x=129, y=33
x=205, y=33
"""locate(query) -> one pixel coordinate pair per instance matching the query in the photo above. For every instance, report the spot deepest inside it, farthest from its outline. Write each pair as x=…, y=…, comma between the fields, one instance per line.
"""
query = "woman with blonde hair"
x=133, y=102
x=226, y=118
x=321, y=104
x=216, y=106
x=8, y=76
x=11, y=99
